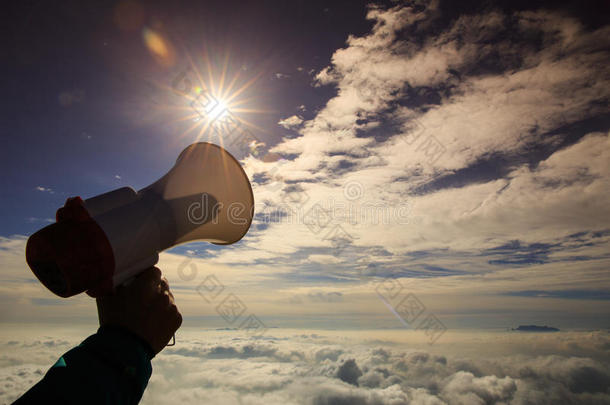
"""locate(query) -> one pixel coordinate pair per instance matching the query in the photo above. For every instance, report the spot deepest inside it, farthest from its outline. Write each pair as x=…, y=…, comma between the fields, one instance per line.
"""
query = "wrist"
x=129, y=336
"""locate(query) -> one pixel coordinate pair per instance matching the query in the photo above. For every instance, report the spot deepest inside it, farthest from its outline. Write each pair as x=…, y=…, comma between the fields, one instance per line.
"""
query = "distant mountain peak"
x=536, y=328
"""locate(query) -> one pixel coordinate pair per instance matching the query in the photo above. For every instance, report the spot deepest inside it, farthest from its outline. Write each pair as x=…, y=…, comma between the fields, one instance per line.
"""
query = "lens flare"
x=158, y=46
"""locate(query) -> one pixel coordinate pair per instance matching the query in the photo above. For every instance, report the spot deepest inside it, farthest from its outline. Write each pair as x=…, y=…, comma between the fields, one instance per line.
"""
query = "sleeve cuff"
x=125, y=352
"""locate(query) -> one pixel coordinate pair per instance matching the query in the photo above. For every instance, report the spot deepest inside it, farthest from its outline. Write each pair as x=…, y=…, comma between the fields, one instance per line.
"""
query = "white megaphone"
x=99, y=243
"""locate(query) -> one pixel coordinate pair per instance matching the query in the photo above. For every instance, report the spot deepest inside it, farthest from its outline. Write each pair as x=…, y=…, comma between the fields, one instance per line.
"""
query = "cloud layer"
x=326, y=367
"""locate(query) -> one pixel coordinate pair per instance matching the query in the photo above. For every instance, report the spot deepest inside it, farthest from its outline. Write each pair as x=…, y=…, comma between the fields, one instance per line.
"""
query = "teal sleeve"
x=110, y=367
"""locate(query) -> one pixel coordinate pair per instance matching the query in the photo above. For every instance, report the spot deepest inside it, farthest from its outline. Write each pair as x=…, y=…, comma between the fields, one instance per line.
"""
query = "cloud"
x=347, y=367
x=337, y=295
x=323, y=259
x=44, y=189
x=36, y=219
x=25, y=299
x=321, y=296
x=349, y=372
x=291, y=122
x=464, y=387
x=328, y=353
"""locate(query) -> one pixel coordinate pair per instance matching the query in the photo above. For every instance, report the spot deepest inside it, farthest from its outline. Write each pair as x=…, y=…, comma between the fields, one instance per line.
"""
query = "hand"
x=145, y=307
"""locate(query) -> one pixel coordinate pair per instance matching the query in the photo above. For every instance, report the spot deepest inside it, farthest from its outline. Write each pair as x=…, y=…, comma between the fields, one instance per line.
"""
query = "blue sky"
x=457, y=150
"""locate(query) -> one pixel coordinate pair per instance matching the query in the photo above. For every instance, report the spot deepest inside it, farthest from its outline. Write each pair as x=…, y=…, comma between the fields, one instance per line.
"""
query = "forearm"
x=110, y=367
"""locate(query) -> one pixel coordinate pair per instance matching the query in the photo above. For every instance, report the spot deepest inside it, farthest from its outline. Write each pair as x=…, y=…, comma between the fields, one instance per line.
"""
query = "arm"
x=109, y=367
x=113, y=366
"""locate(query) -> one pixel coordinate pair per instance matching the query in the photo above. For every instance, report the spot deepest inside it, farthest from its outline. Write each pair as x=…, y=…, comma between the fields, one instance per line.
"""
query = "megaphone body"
x=100, y=243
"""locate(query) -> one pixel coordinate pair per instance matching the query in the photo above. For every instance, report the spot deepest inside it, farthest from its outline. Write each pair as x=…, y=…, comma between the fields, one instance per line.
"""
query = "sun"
x=212, y=98
x=208, y=106
x=220, y=110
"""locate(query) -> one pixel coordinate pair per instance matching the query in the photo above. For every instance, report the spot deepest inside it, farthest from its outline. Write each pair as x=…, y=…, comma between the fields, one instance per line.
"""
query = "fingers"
x=168, y=298
x=156, y=287
x=168, y=316
x=163, y=285
x=146, y=285
x=178, y=320
x=150, y=276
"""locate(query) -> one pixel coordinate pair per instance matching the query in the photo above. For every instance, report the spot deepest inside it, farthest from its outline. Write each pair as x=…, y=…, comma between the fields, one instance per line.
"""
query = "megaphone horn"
x=99, y=243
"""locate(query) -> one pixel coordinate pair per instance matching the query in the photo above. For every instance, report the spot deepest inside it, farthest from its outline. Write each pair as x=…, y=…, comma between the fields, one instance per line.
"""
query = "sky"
x=427, y=175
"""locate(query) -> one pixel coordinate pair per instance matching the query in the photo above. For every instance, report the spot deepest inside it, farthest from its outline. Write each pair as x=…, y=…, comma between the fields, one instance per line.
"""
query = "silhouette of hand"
x=145, y=307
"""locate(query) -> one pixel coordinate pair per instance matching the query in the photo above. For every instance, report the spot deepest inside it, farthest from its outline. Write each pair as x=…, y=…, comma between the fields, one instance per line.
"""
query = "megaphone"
x=104, y=241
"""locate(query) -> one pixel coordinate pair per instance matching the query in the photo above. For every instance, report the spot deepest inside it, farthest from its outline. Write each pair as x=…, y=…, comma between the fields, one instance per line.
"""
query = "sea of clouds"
x=351, y=367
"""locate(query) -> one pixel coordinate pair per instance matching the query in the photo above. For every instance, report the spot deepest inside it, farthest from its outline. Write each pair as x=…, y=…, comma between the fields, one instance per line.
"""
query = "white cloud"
x=293, y=367
x=291, y=122
x=44, y=189
x=323, y=259
x=36, y=219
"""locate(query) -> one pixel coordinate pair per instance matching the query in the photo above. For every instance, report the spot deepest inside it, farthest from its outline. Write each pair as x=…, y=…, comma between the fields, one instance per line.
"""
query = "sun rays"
x=210, y=95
